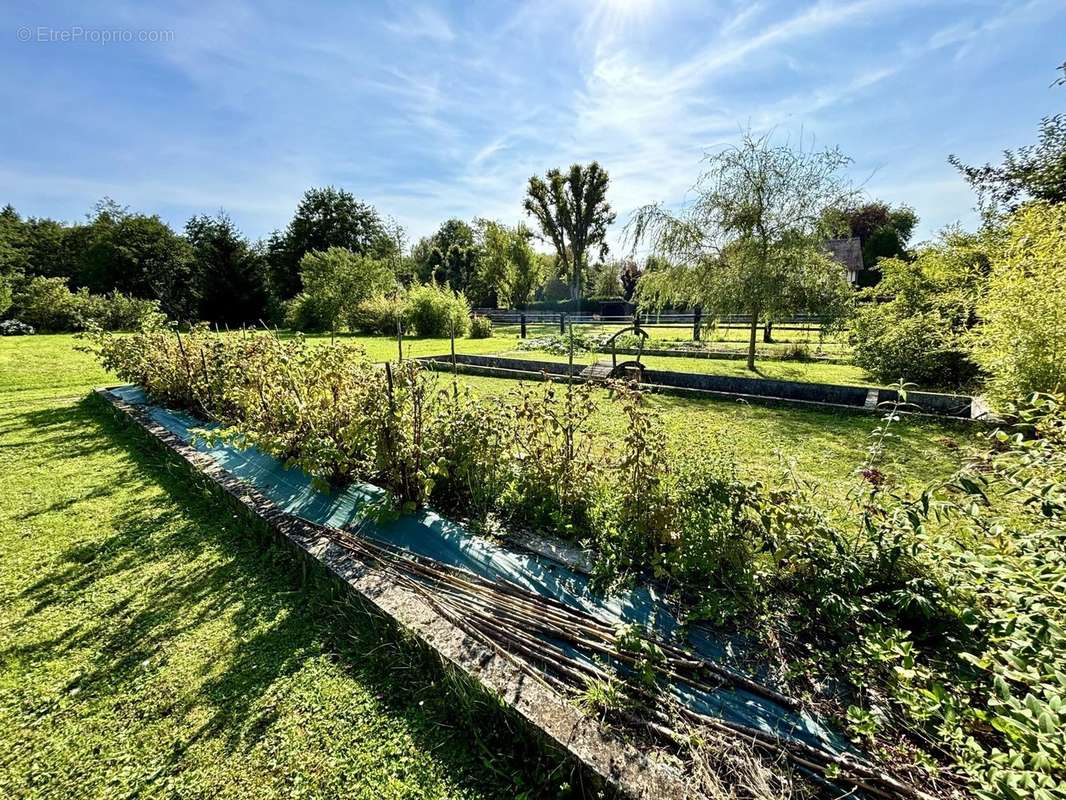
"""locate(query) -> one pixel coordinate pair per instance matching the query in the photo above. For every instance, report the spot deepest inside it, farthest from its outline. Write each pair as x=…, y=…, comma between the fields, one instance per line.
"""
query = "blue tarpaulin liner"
x=432, y=536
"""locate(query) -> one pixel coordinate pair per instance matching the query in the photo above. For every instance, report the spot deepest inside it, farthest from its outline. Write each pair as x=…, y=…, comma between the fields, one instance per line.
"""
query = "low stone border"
x=721, y=355
x=618, y=764
x=765, y=391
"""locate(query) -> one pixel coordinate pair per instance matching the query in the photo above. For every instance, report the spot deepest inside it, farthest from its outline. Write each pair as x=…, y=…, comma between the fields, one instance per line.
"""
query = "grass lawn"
x=149, y=647
x=825, y=447
x=806, y=371
x=732, y=339
x=505, y=342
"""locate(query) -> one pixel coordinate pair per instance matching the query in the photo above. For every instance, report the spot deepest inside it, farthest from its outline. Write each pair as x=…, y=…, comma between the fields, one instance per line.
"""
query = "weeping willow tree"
x=753, y=239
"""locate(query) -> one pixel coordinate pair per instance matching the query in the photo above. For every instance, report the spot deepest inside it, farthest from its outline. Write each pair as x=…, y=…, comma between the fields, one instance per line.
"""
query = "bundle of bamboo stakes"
x=565, y=649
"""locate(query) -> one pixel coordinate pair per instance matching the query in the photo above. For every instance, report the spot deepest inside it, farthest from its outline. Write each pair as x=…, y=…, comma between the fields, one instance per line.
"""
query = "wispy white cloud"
x=421, y=22
x=432, y=111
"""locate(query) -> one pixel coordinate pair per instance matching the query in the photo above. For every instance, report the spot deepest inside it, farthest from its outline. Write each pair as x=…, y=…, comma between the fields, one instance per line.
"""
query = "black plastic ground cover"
x=753, y=390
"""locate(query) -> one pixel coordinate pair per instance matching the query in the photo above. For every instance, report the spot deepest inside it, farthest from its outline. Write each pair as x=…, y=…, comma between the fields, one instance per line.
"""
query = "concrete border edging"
x=766, y=391
x=720, y=355
x=602, y=753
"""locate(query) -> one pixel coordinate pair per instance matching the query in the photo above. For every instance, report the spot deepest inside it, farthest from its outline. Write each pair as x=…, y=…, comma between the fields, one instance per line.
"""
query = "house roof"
x=847, y=251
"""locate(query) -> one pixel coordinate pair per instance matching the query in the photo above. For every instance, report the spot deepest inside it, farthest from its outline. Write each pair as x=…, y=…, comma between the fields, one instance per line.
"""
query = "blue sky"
x=431, y=111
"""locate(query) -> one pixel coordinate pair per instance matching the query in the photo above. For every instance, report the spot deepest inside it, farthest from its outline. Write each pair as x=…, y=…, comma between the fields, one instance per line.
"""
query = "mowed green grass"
x=151, y=647
x=505, y=341
x=806, y=371
x=823, y=448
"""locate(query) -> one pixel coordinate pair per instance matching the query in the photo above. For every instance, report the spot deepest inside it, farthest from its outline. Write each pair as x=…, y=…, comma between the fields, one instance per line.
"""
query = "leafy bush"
x=437, y=312
x=554, y=474
x=306, y=313
x=336, y=282
x=48, y=304
x=922, y=348
x=13, y=327
x=920, y=336
x=6, y=294
x=116, y=311
x=379, y=315
x=480, y=328
x=1021, y=341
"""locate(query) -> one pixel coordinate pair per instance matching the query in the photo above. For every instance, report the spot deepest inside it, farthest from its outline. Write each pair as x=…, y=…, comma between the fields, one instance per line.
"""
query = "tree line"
x=752, y=241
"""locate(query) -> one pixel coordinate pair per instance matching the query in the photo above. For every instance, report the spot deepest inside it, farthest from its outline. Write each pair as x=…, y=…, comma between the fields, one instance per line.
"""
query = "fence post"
x=522, y=320
x=455, y=370
x=562, y=322
x=697, y=316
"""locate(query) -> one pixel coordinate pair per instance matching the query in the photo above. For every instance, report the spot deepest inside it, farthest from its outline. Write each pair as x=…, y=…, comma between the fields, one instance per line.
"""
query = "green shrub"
x=116, y=311
x=922, y=348
x=554, y=469
x=1021, y=341
x=337, y=281
x=920, y=335
x=480, y=328
x=379, y=315
x=306, y=313
x=437, y=312
x=48, y=305
x=6, y=294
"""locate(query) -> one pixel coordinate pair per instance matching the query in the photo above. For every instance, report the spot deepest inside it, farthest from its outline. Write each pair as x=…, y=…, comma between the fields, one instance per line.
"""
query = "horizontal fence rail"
x=511, y=317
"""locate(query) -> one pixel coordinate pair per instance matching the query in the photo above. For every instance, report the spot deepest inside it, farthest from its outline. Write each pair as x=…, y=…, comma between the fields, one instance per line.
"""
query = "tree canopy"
x=510, y=263
x=338, y=280
x=230, y=272
x=1033, y=172
x=138, y=255
x=573, y=214
x=752, y=241
x=883, y=231
x=326, y=218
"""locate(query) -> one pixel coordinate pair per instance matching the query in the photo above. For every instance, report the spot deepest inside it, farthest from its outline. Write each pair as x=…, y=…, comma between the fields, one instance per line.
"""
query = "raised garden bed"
x=334, y=532
x=751, y=390
x=721, y=355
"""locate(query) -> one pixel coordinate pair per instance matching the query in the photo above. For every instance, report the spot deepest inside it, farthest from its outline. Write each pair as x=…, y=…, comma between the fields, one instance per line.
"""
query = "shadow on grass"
x=183, y=562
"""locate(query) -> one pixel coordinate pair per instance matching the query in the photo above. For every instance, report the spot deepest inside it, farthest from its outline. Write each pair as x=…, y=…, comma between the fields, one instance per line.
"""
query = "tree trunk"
x=751, y=339
x=768, y=332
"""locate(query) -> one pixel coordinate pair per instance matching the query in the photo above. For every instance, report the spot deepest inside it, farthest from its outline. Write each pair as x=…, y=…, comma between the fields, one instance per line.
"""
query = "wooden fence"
x=692, y=321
